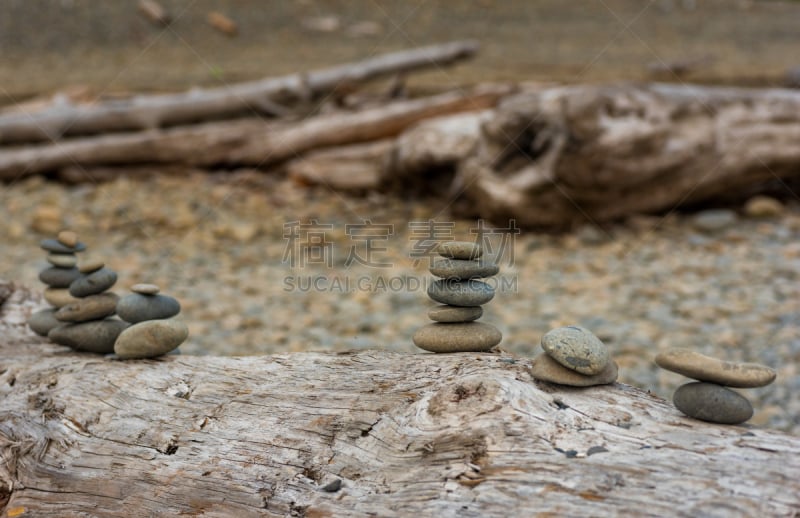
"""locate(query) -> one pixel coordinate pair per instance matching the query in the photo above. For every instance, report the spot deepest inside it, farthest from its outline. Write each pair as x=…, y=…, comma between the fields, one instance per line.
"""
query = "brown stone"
x=546, y=368
x=705, y=368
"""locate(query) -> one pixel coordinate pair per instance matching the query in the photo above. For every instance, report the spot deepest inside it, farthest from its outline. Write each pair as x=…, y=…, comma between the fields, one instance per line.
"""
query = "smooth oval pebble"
x=453, y=338
x=53, y=245
x=459, y=269
x=713, y=403
x=95, y=282
x=91, y=266
x=460, y=250
x=145, y=289
x=56, y=277
x=62, y=260
x=460, y=293
x=576, y=348
x=43, y=321
x=452, y=314
x=93, y=307
x=96, y=336
x=67, y=238
x=705, y=368
x=150, y=339
x=547, y=369
x=58, y=297
x=136, y=307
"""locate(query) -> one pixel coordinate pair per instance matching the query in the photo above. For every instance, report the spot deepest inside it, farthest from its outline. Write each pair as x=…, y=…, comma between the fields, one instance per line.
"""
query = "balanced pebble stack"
x=576, y=357
x=709, y=399
x=153, y=331
x=462, y=296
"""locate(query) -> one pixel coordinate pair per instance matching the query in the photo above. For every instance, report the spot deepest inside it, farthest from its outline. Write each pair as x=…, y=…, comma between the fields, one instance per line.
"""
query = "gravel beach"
x=223, y=245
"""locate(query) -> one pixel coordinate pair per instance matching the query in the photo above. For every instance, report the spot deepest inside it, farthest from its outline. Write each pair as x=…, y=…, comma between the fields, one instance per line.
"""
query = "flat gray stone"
x=460, y=293
x=137, y=307
x=58, y=297
x=93, y=283
x=577, y=349
x=62, y=260
x=93, y=307
x=454, y=314
x=96, y=336
x=547, y=369
x=713, y=403
x=454, y=338
x=150, y=339
x=53, y=245
x=460, y=250
x=714, y=220
x=56, y=277
x=43, y=321
x=705, y=368
x=461, y=269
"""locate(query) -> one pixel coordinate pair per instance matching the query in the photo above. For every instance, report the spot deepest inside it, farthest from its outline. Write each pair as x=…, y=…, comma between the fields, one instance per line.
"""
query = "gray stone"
x=713, y=403
x=93, y=283
x=705, y=368
x=96, y=336
x=453, y=314
x=43, y=321
x=453, y=338
x=145, y=289
x=577, y=349
x=93, y=307
x=150, y=339
x=62, y=260
x=58, y=297
x=56, y=277
x=460, y=293
x=714, y=220
x=460, y=250
x=53, y=245
x=136, y=307
x=547, y=369
x=460, y=269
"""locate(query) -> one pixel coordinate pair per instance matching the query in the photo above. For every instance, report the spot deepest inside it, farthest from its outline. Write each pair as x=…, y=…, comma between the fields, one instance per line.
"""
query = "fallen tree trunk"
x=153, y=111
x=367, y=433
x=598, y=153
x=243, y=142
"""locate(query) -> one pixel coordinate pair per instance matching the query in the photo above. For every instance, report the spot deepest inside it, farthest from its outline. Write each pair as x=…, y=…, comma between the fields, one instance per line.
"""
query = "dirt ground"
x=47, y=45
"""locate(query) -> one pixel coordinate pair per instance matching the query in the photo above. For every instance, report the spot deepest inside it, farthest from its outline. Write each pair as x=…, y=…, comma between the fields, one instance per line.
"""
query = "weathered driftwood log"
x=245, y=142
x=346, y=168
x=153, y=111
x=361, y=434
x=568, y=154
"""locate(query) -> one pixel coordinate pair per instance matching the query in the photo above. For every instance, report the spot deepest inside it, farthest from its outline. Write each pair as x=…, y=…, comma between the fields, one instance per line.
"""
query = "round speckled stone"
x=136, y=307
x=96, y=336
x=62, y=260
x=460, y=269
x=93, y=307
x=547, y=369
x=68, y=238
x=53, y=245
x=705, y=368
x=93, y=283
x=713, y=403
x=454, y=314
x=460, y=293
x=577, y=349
x=57, y=277
x=145, y=289
x=460, y=250
x=43, y=321
x=150, y=339
x=58, y=297
x=454, y=338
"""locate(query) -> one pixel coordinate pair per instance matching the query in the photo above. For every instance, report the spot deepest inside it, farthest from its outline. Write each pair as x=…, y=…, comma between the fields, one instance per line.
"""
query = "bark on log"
x=569, y=154
x=358, y=434
x=154, y=111
x=246, y=142
x=347, y=168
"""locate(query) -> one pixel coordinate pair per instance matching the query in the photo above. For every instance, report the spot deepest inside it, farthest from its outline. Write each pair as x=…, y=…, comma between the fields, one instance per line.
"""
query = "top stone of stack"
x=66, y=243
x=460, y=250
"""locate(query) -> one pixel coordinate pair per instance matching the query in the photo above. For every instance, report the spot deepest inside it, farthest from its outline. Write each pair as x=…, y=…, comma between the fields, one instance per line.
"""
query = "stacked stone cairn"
x=462, y=295
x=576, y=357
x=154, y=331
x=81, y=305
x=709, y=398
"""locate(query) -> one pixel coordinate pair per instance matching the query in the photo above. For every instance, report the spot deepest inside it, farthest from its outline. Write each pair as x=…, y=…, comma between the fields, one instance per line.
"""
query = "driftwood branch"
x=367, y=433
x=154, y=111
x=247, y=142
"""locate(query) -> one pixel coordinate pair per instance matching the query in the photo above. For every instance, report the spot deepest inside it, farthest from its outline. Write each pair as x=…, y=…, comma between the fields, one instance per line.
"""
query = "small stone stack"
x=709, y=399
x=153, y=331
x=462, y=294
x=576, y=357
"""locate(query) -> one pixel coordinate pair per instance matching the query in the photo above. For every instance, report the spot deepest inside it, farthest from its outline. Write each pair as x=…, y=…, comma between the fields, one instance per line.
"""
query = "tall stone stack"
x=462, y=295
